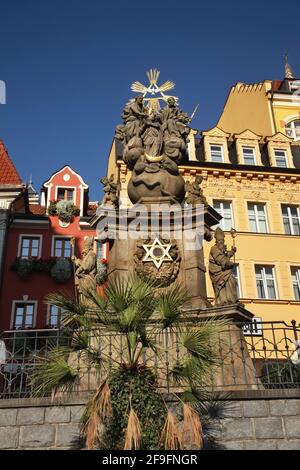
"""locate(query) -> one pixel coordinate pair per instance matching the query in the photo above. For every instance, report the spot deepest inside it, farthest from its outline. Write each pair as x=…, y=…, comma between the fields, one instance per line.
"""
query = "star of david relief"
x=157, y=252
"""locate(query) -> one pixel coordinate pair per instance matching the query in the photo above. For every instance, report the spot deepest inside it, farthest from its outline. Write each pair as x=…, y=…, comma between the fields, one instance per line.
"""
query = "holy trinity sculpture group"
x=154, y=143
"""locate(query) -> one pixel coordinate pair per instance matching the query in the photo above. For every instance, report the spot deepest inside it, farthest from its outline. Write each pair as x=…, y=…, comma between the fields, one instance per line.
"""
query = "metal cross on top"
x=152, y=101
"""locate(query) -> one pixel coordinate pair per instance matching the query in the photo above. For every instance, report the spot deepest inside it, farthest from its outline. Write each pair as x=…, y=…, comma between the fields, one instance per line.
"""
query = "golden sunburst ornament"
x=153, y=89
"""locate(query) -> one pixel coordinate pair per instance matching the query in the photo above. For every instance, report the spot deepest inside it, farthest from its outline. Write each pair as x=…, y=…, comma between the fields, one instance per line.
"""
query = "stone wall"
x=255, y=420
x=262, y=424
x=39, y=424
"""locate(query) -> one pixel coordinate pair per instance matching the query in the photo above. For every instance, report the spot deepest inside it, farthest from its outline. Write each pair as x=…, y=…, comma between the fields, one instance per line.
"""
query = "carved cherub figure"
x=111, y=192
x=194, y=192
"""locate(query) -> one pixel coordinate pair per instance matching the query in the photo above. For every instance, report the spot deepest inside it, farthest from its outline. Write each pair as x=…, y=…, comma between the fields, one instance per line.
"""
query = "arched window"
x=292, y=129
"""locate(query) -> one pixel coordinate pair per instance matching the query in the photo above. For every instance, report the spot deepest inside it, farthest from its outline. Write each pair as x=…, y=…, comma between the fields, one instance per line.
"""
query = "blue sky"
x=68, y=66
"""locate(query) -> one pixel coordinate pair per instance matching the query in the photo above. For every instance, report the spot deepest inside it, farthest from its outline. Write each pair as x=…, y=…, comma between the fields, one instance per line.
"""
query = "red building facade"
x=43, y=235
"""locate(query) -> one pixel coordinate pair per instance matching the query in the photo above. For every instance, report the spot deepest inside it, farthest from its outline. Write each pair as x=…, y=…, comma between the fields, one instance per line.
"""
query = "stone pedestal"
x=237, y=371
x=186, y=232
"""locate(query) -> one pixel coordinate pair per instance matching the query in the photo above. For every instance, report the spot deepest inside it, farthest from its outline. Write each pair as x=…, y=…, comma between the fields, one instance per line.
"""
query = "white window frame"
x=254, y=328
x=256, y=215
x=238, y=279
x=29, y=235
x=297, y=269
x=290, y=218
x=53, y=245
x=292, y=129
x=13, y=309
x=264, y=280
x=221, y=223
x=67, y=187
x=294, y=85
x=254, y=154
x=211, y=144
x=49, y=315
x=285, y=157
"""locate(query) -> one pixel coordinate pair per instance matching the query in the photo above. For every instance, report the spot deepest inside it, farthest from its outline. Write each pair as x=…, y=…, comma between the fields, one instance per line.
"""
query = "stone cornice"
x=239, y=174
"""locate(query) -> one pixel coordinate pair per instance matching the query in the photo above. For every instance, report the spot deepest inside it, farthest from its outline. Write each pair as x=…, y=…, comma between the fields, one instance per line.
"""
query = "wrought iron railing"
x=266, y=356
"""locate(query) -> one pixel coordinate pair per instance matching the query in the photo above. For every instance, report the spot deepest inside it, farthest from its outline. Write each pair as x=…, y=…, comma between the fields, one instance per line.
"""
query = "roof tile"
x=8, y=172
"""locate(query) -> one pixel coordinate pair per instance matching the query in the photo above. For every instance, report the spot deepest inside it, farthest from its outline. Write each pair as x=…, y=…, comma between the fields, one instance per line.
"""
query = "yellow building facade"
x=250, y=164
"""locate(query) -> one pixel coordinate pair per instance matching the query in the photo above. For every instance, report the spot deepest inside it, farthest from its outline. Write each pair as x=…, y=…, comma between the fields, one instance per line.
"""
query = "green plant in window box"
x=65, y=210
x=61, y=270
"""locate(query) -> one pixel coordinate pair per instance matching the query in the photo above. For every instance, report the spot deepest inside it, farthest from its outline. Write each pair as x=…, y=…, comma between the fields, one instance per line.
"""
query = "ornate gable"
x=216, y=132
x=247, y=135
x=280, y=138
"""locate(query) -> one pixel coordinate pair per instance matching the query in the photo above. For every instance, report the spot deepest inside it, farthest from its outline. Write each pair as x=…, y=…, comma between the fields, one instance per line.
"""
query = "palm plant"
x=154, y=347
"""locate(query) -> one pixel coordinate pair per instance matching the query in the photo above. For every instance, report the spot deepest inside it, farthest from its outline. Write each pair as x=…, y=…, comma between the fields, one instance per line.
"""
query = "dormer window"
x=216, y=153
x=65, y=194
x=280, y=158
x=292, y=129
x=294, y=85
x=249, y=155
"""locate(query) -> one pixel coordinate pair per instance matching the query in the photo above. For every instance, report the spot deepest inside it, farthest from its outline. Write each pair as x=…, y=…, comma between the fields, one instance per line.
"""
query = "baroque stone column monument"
x=161, y=236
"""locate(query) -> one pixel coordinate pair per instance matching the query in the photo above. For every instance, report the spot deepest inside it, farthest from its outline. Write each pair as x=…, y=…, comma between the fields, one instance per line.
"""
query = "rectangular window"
x=254, y=328
x=216, y=153
x=291, y=222
x=280, y=158
x=99, y=249
x=265, y=282
x=62, y=248
x=55, y=316
x=295, y=85
x=30, y=247
x=23, y=316
x=66, y=194
x=296, y=282
x=249, y=155
x=257, y=217
x=224, y=208
x=236, y=273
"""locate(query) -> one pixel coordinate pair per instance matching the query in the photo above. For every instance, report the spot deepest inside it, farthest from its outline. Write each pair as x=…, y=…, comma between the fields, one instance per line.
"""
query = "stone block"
x=293, y=444
x=262, y=444
x=32, y=415
x=238, y=428
x=292, y=426
x=234, y=445
x=8, y=417
x=284, y=407
x=234, y=410
x=268, y=428
x=37, y=436
x=255, y=408
x=76, y=413
x=9, y=437
x=57, y=414
x=67, y=435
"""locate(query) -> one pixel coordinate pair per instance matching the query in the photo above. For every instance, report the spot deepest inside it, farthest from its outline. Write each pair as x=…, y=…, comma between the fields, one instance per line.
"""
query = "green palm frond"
x=118, y=294
x=169, y=305
x=73, y=312
x=53, y=373
x=203, y=340
x=80, y=340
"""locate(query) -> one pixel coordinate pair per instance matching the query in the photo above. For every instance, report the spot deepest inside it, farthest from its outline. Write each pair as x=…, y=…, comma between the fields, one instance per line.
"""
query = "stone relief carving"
x=158, y=259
